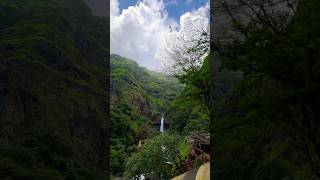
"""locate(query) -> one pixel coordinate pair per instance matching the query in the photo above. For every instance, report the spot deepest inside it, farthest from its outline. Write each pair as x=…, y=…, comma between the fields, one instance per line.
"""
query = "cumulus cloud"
x=114, y=7
x=140, y=32
x=136, y=31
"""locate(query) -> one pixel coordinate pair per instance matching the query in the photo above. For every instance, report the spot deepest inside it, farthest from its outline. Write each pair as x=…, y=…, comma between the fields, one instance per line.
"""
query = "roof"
x=201, y=137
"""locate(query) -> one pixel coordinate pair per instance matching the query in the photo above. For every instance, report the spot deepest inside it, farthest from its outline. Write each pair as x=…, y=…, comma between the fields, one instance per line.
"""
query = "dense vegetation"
x=166, y=149
x=189, y=112
x=266, y=124
x=53, y=98
x=138, y=98
x=262, y=92
x=136, y=91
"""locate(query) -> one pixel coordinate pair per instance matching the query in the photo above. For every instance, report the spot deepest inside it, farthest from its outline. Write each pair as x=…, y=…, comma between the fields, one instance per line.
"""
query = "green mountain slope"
x=152, y=91
x=138, y=97
x=52, y=90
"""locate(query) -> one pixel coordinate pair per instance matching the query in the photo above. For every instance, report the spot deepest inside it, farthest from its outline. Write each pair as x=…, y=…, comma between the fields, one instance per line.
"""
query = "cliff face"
x=148, y=93
x=53, y=100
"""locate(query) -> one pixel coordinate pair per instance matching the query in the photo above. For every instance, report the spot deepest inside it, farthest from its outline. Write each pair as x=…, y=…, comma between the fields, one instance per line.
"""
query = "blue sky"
x=175, y=8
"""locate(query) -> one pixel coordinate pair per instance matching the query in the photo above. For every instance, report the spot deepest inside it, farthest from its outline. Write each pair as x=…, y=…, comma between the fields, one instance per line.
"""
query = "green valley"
x=138, y=98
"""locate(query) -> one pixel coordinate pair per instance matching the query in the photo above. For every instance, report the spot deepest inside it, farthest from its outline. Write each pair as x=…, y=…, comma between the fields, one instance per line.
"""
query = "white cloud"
x=139, y=32
x=136, y=31
x=114, y=7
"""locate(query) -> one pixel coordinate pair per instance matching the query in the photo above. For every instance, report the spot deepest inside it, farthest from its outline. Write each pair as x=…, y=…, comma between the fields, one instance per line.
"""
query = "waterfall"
x=162, y=123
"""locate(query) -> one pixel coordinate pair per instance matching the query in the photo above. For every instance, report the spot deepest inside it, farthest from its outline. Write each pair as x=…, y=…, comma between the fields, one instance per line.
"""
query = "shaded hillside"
x=52, y=90
x=266, y=126
x=138, y=97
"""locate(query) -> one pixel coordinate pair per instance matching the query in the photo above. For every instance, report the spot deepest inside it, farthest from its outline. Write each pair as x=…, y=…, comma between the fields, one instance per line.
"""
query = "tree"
x=275, y=45
x=145, y=131
x=158, y=158
x=187, y=47
x=189, y=112
x=189, y=50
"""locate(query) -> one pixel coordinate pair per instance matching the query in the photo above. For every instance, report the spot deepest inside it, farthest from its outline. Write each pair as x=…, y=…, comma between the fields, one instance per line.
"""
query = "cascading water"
x=142, y=176
x=162, y=123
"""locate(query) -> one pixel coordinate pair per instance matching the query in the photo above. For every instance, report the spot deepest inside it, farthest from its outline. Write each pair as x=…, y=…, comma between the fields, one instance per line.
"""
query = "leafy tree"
x=158, y=158
x=145, y=131
x=189, y=112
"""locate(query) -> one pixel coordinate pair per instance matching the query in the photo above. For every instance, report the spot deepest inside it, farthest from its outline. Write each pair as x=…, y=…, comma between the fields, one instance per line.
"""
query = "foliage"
x=155, y=157
x=52, y=94
x=131, y=81
x=186, y=49
x=262, y=126
x=189, y=112
x=138, y=97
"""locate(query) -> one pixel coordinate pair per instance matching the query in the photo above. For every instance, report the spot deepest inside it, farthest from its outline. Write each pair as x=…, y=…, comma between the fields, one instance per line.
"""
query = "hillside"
x=266, y=124
x=151, y=90
x=53, y=97
x=138, y=97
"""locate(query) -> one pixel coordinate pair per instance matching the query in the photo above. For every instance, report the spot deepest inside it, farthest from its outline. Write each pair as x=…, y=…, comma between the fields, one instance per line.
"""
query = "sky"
x=141, y=29
x=175, y=8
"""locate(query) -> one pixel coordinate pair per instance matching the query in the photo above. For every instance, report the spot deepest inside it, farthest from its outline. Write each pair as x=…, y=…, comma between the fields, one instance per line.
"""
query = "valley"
x=148, y=108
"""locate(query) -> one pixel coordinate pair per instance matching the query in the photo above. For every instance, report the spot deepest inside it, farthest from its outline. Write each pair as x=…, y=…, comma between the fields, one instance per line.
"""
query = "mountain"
x=150, y=92
x=138, y=97
x=53, y=98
